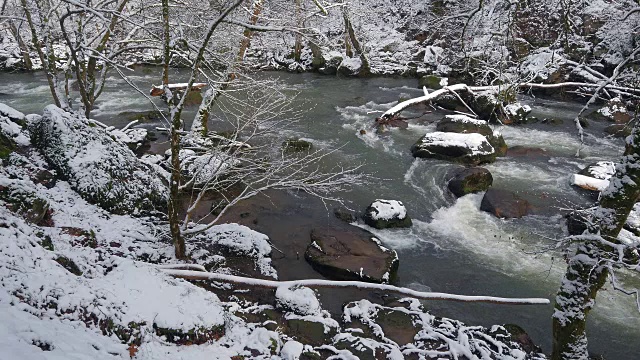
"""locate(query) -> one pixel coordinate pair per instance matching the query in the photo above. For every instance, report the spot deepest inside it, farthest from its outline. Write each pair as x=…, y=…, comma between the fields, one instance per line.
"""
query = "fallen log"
x=158, y=90
x=317, y=283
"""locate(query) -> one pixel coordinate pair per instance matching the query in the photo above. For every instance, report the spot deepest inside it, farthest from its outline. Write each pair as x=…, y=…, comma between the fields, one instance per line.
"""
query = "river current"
x=452, y=246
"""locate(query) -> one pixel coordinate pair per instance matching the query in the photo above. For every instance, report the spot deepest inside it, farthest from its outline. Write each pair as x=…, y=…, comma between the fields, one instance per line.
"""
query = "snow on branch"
x=317, y=283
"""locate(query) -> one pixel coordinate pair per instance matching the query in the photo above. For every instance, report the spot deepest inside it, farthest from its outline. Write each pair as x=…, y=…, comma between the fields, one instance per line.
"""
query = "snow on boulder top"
x=465, y=119
x=388, y=209
x=513, y=109
x=300, y=300
x=11, y=113
x=476, y=143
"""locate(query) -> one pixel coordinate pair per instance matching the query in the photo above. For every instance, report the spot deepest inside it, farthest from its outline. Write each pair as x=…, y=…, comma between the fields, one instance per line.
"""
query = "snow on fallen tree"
x=317, y=283
x=394, y=111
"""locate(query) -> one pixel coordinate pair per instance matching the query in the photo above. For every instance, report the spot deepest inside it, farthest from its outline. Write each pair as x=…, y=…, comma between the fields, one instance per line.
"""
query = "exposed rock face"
x=470, y=180
x=472, y=149
x=463, y=124
x=351, y=253
x=103, y=171
x=504, y=204
x=382, y=214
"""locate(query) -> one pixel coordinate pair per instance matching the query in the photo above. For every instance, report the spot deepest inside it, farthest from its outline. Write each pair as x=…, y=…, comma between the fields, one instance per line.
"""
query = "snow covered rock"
x=351, y=253
x=300, y=300
x=102, y=171
x=382, y=214
x=615, y=111
x=470, y=180
x=234, y=246
x=464, y=148
x=504, y=204
x=11, y=132
x=463, y=124
x=403, y=329
x=19, y=197
x=291, y=350
x=516, y=113
x=350, y=67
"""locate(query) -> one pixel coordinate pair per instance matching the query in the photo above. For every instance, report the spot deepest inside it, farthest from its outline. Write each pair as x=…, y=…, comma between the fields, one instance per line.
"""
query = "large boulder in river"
x=504, y=204
x=470, y=149
x=103, y=171
x=382, y=214
x=463, y=124
x=351, y=253
x=470, y=180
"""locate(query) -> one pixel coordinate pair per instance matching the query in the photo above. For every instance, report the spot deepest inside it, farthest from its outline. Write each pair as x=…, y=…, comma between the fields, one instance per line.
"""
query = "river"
x=452, y=246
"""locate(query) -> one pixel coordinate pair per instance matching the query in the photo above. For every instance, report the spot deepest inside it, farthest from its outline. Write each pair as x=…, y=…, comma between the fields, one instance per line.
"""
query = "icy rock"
x=464, y=148
x=103, y=171
x=470, y=180
x=351, y=253
x=382, y=214
x=504, y=204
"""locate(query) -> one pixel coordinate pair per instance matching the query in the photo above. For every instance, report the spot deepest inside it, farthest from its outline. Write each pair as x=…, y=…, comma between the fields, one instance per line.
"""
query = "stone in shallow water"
x=382, y=214
x=504, y=204
x=470, y=149
x=351, y=253
x=470, y=180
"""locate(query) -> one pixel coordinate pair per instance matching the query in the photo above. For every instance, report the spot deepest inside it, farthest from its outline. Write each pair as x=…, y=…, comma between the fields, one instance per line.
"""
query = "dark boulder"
x=351, y=253
x=470, y=180
x=504, y=204
x=296, y=145
x=382, y=214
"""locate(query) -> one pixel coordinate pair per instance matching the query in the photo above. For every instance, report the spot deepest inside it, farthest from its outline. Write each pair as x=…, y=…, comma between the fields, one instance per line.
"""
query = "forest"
x=316, y=179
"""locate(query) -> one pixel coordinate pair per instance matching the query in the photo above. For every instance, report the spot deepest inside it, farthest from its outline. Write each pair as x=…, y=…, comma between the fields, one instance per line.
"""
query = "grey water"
x=453, y=246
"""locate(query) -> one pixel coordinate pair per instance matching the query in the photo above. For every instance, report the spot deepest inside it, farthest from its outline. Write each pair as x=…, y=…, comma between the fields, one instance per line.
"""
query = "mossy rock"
x=141, y=116
x=69, y=265
x=100, y=170
x=618, y=130
x=309, y=332
x=25, y=202
x=431, y=82
x=196, y=336
x=193, y=98
x=470, y=180
x=46, y=241
x=7, y=146
x=296, y=145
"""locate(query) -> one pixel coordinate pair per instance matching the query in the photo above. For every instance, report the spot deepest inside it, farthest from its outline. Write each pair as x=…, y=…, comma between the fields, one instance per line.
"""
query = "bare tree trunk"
x=297, y=51
x=174, y=186
x=587, y=270
x=24, y=49
x=201, y=121
x=45, y=59
x=366, y=67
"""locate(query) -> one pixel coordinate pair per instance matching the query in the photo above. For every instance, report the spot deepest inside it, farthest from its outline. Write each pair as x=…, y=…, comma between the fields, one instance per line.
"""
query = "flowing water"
x=452, y=246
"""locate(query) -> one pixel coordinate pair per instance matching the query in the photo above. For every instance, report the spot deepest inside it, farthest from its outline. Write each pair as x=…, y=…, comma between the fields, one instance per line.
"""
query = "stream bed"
x=452, y=246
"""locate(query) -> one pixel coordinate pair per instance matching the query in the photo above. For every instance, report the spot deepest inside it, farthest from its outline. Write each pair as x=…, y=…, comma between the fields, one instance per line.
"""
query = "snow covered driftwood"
x=317, y=283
